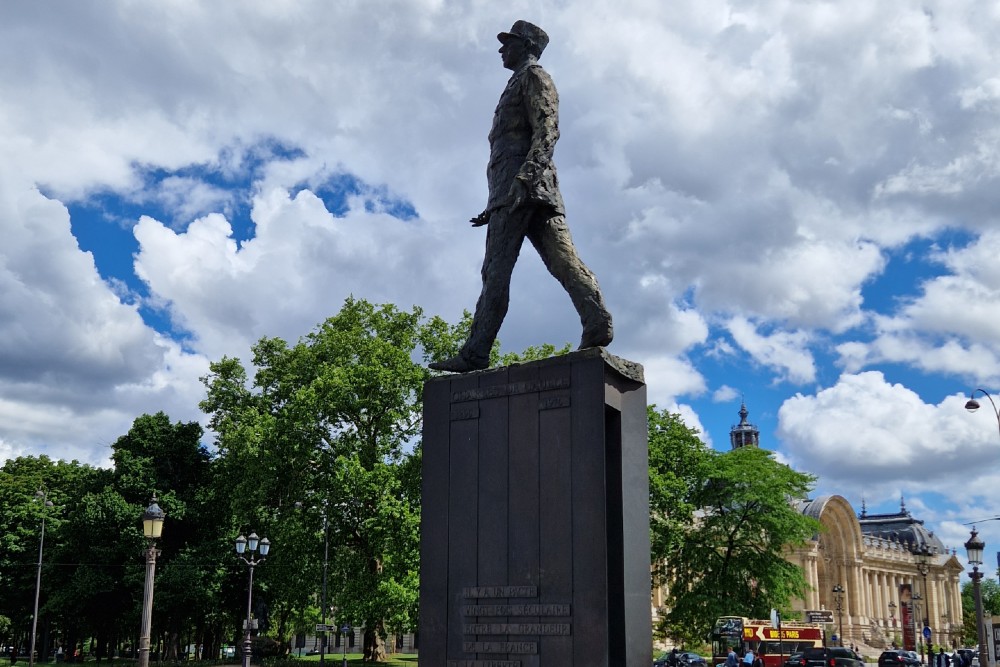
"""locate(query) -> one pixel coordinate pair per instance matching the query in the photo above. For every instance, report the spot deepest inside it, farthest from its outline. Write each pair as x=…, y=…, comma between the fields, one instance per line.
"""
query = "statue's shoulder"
x=535, y=75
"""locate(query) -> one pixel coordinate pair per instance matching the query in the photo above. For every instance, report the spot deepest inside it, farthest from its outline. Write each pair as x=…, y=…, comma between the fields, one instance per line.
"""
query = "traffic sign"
x=327, y=627
x=819, y=615
x=927, y=632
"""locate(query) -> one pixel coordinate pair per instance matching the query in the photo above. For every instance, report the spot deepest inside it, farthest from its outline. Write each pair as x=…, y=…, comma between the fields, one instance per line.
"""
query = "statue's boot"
x=459, y=364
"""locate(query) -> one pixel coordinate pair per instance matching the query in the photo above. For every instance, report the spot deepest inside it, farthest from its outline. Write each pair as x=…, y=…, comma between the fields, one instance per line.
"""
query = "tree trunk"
x=170, y=650
x=374, y=650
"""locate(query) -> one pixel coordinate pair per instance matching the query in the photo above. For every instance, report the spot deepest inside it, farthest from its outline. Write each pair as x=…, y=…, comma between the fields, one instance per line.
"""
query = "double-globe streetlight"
x=46, y=503
x=974, y=550
x=152, y=528
x=254, y=543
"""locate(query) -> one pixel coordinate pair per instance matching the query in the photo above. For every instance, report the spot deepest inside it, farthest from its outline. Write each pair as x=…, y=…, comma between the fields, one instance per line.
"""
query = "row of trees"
x=326, y=427
x=325, y=434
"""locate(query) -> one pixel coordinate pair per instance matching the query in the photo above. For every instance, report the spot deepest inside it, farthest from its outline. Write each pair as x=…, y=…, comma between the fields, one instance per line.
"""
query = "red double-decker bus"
x=745, y=634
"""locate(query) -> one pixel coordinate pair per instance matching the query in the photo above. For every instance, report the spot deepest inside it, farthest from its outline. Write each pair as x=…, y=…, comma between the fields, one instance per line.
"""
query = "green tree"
x=21, y=514
x=721, y=528
x=332, y=423
x=168, y=459
x=990, y=592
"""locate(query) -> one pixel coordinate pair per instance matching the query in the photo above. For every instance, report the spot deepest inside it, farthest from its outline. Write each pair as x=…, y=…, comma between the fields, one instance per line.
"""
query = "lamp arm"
x=990, y=398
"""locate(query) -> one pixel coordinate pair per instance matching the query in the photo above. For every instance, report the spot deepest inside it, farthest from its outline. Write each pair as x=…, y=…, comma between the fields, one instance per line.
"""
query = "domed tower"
x=744, y=434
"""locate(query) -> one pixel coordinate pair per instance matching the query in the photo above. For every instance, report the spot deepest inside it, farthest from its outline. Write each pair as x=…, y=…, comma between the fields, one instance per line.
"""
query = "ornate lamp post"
x=241, y=546
x=152, y=528
x=972, y=404
x=923, y=556
x=838, y=590
x=974, y=549
x=46, y=503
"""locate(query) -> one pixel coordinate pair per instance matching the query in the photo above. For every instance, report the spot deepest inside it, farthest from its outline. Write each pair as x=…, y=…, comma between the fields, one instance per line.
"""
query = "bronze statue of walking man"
x=524, y=201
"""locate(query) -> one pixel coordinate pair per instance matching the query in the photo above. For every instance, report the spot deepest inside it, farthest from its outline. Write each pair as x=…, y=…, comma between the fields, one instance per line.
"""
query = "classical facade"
x=871, y=558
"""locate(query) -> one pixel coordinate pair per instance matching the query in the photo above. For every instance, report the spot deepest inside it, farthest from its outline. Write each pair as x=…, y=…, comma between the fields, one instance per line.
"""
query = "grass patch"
x=337, y=660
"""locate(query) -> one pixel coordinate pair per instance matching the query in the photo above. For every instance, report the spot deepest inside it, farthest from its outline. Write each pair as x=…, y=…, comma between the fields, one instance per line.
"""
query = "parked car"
x=832, y=656
x=684, y=659
x=795, y=660
x=897, y=658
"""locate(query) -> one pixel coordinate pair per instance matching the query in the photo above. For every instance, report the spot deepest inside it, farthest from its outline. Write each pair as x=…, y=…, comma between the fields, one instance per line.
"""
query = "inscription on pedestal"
x=559, y=629
x=525, y=648
x=500, y=592
x=515, y=610
x=506, y=629
x=484, y=663
x=511, y=389
x=553, y=402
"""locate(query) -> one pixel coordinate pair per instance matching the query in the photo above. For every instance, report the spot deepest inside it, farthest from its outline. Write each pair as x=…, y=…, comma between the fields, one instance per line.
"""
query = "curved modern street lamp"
x=152, y=528
x=264, y=546
x=972, y=404
x=46, y=503
x=974, y=549
x=838, y=590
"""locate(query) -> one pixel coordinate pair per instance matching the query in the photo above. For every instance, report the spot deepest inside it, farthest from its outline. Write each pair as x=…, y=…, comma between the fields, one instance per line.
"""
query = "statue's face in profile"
x=513, y=52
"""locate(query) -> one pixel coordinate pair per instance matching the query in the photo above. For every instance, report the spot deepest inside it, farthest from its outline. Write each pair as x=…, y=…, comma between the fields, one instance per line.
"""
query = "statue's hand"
x=517, y=196
x=480, y=219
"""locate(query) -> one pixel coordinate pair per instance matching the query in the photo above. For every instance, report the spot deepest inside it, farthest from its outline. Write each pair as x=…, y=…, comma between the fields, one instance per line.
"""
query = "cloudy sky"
x=795, y=203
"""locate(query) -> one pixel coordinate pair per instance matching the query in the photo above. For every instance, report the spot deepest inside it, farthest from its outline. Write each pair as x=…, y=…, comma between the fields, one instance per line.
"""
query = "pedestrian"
x=748, y=658
x=731, y=660
x=944, y=660
x=524, y=202
x=758, y=660
x=673, y=657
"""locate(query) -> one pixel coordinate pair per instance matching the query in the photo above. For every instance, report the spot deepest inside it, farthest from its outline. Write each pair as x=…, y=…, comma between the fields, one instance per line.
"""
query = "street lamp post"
x=152, y=528
x=241, y=546
x=923, y=555
x=974, y=548
x=41, y=495
x=838, y=590
x=972, y=404
x=343, y=640
x=917, y=636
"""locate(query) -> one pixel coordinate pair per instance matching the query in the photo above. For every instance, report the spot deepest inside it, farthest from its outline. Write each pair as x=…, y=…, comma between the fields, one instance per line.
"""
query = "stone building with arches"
x=873, y=558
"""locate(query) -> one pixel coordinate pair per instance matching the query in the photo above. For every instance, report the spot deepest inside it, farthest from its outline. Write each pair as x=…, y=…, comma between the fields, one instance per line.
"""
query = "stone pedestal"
x=535, y=516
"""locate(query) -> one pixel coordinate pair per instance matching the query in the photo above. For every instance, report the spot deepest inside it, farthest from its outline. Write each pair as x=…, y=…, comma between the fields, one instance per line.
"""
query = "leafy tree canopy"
x=328, y=427
x=990, y=592
x=721, y=526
